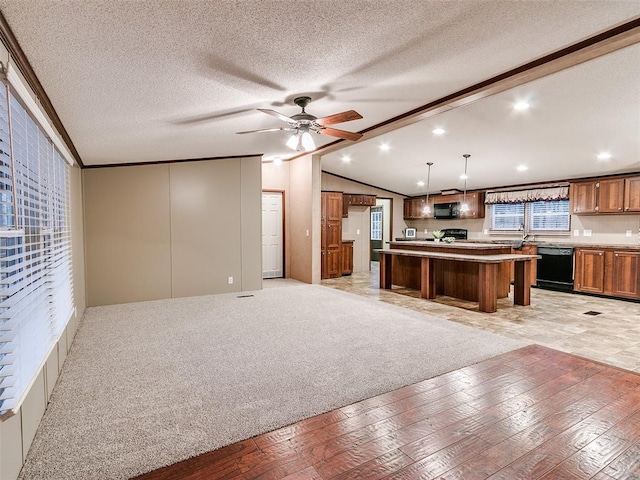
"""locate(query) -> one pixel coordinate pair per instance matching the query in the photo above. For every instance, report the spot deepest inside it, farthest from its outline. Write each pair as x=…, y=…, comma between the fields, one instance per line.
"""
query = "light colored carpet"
x=148, y=384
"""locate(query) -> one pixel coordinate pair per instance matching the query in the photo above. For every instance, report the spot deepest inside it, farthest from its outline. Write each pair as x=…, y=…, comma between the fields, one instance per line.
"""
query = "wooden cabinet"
x=606, y=195
x=610, y=195
x=475, y=201
x=632, y=194
x=583, y=197
x=589, y=270
x=526, y=250
x=346, y=252
x=622, y=273
x=608, y=271
x=331, y=234
x=414, y=207
x=349, y=199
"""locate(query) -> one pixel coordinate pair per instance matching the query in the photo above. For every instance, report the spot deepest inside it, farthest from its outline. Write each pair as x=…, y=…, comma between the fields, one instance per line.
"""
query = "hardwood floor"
x=533, y=413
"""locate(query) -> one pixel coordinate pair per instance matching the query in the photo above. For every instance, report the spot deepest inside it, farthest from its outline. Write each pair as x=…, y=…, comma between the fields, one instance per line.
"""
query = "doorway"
x=272, y=234
x=380, y=226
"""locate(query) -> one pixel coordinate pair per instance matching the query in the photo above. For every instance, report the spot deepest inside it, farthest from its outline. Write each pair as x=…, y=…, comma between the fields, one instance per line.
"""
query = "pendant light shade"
x=427, y=209
x=465, y=206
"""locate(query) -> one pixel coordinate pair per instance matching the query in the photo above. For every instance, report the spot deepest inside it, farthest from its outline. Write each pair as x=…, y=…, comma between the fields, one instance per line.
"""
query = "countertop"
x=514, y=242
x=458, y=243
x=499, y=258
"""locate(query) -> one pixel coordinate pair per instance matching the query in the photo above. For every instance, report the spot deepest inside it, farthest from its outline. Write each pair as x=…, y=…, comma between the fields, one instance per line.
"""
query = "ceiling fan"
x=303, y=123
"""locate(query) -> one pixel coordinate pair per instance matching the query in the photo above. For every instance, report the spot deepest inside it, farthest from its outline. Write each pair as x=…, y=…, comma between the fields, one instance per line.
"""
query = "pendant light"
x=465, y=206
x=427, y=210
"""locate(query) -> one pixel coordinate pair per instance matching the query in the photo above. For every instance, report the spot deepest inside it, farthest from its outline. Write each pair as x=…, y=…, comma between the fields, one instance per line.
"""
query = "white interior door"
x=272, y=241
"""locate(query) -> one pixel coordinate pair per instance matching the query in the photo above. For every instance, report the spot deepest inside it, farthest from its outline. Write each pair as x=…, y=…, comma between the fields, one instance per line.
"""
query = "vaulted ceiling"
x=140, y=81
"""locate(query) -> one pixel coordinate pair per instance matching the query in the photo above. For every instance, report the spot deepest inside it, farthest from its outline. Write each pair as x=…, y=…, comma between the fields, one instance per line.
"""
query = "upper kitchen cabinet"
x=584, y=197
x=606, y=195
x=414, y=208
x=353, y=199
x=632, y=194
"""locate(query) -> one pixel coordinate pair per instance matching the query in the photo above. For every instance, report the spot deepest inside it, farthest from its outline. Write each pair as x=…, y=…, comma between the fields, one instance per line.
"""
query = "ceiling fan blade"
x=339, y=118
x=334, y=132
x=279, y=116
x=266, y=130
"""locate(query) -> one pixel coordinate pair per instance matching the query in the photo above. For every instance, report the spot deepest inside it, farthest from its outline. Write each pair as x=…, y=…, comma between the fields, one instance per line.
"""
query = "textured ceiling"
x=137, y=81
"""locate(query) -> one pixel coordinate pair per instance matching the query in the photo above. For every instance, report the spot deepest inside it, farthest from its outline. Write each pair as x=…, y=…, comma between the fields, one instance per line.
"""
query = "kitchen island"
x=478, y=272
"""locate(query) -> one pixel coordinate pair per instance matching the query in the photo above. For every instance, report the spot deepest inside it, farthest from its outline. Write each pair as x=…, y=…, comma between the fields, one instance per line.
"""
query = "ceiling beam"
x=593, y=47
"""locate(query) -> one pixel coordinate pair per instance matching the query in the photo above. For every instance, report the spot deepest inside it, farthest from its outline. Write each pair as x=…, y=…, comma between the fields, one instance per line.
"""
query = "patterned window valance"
x=530, y=195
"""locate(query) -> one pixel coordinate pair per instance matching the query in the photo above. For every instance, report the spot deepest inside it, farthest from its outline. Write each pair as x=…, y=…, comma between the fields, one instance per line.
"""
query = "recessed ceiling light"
x=438, y=131
x=604, y=156
x=420, y=183
x=346, y=158
x=521, y=106
x=463, y=177
x=522, y=168
x=384, y=147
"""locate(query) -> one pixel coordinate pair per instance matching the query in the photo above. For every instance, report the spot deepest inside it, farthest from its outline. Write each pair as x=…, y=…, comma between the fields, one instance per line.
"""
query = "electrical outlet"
x=307, y=233
x=486, y=232
x=629, y=233
x=576, y=233
x=230, y=280
x=426, y=231
x=586, y=233
x=357, y=231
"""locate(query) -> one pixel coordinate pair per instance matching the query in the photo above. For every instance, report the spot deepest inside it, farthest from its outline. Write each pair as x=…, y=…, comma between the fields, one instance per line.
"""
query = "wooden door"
x=589, y=274
x=632, y=194
x=332, y=234
x=611, y=195
x=584, y=197
x=626, y=274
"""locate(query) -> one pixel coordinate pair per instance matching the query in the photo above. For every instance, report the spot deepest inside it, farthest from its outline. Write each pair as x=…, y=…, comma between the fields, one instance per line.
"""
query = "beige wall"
x=172, y=230
x=302, y=227
x=128, y=234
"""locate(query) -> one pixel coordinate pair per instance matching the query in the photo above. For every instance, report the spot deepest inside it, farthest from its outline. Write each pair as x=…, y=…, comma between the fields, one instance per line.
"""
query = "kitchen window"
x=543, y=216
x=543, y=209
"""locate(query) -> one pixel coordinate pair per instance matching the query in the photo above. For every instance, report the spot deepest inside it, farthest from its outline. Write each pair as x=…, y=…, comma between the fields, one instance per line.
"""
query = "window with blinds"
x=539, y=216
x=507, y=216
x=36, y=289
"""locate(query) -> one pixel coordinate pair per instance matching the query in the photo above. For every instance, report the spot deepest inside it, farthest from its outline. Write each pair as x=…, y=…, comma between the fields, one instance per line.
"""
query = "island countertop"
x=461, y=245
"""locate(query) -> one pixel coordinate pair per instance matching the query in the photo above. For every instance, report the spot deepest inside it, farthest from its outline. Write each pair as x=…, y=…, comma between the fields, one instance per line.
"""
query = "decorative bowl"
x=449, y=239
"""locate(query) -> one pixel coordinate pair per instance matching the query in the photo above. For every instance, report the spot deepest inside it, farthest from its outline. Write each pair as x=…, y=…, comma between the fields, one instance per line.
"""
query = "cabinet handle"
x=616, y=254
x=600, y=254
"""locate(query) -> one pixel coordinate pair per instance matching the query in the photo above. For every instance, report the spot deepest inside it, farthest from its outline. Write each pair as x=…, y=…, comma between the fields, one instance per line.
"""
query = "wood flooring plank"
x=533, y=413
x=625, y=466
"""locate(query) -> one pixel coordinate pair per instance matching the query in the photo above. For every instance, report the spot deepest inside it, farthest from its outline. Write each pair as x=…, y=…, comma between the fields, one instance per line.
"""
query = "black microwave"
x=446, y=210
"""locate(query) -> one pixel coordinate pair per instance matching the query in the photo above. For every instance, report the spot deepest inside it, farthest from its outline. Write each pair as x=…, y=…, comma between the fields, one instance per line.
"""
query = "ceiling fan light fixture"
x=293, y=142
x=307, y=142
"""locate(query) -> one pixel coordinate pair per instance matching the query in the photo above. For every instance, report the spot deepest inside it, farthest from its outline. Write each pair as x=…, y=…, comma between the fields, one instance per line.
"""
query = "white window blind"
x=507, y=216
x=549, y=216
x=376, y=224
x=36, y=287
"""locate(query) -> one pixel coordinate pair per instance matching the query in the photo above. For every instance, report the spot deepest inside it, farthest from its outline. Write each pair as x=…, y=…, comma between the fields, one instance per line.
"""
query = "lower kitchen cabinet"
x=608, y=271
x=346, y=252
x=622, y=273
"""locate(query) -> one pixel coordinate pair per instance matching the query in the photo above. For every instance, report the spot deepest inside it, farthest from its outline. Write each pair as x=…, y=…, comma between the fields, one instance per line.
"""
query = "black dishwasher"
x=555, y=268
